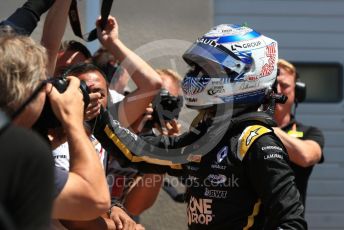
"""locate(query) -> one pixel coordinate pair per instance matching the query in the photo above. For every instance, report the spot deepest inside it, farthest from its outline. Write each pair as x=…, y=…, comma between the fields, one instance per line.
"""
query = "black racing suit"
x=244, y=182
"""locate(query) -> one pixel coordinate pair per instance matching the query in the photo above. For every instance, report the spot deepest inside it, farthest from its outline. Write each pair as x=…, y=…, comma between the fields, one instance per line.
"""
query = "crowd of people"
x=80, y=149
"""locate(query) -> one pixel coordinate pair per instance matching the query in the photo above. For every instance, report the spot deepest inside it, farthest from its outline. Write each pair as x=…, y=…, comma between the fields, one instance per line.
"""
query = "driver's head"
x=230, y=65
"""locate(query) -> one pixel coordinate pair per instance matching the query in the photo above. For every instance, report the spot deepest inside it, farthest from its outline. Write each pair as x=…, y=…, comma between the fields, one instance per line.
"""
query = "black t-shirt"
x=304, y=132
x=26, y=175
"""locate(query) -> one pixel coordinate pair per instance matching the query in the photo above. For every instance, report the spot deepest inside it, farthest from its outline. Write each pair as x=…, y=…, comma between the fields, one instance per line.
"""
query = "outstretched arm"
x=53, y=31
x=146, y=79
x=24, y=20
x=304, y=153
x=144, y=193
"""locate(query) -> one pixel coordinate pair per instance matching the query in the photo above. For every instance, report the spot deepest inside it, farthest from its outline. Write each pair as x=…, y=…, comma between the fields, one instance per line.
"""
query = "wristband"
x=116, y=204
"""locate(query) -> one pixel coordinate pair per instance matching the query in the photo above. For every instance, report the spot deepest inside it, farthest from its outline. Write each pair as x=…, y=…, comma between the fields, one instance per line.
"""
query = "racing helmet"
x=230, y=64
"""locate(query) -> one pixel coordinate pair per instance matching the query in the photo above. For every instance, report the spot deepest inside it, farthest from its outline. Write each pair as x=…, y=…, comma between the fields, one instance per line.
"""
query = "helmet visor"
x=214, y=59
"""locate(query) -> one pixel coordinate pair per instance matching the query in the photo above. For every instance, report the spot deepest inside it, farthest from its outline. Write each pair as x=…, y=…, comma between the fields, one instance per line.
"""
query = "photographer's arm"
x=146, y=79
x=53, y=30
x=144, y=193
x=85, y=195
x=119, y=220
x=24, y=20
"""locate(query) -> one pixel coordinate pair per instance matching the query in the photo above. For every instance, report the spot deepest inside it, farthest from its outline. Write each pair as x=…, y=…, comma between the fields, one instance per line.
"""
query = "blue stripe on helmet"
x=254, y=97
x=236, y=38
x=194, y=85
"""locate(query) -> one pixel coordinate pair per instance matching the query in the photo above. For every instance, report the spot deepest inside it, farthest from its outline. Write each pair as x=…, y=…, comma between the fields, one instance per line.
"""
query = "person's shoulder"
x=250, y=136
x=25, y=139
x=26, y=148
x=268, y=147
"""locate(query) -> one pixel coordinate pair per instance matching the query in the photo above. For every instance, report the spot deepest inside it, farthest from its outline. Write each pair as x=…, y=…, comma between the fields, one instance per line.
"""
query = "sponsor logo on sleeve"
x=251, y=135
x=273, y=149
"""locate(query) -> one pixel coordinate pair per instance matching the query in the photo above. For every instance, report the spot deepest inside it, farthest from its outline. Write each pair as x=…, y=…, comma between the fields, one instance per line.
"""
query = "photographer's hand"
x=146, y=79
x=109, y=34
x=139, y=125
x=68, y=106
x=173, y=127
x=121, y=219
x=93, y=108
x=169, y=128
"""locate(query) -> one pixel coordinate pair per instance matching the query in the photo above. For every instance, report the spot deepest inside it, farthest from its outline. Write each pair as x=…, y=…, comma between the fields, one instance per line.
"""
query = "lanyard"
x=75, y=20
x=293, y=132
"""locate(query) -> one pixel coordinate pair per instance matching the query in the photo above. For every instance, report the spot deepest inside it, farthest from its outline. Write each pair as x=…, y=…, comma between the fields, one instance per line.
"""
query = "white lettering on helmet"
x=251, y=44
x=208, y=42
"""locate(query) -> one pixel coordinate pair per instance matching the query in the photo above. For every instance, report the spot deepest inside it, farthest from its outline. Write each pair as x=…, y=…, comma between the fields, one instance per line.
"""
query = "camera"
x=166, y=107
x=47, y=119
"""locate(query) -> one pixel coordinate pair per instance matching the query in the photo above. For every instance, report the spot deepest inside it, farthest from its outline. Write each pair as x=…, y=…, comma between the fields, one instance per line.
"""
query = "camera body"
x=166, y=106
x=47, y=119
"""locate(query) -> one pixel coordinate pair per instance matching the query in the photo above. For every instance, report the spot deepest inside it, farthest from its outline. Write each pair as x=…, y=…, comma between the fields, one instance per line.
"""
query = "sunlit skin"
x=96, y=84
x=66, y=59
x=286, y=86
x=121, y=82
x=170, y=84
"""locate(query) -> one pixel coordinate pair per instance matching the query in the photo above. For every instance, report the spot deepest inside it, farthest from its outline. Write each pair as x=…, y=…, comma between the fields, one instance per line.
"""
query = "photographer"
x=82, y=193
x=26, y=192
x=116, y=216
x=160, y=119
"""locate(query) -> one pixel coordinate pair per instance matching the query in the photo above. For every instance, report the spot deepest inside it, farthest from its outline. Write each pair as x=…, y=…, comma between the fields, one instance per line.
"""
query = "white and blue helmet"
x=232, y=64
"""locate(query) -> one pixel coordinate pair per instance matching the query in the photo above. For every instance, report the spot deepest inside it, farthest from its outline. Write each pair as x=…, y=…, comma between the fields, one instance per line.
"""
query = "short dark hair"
x=107, y=62
x=75, y=46
x=82, y=68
